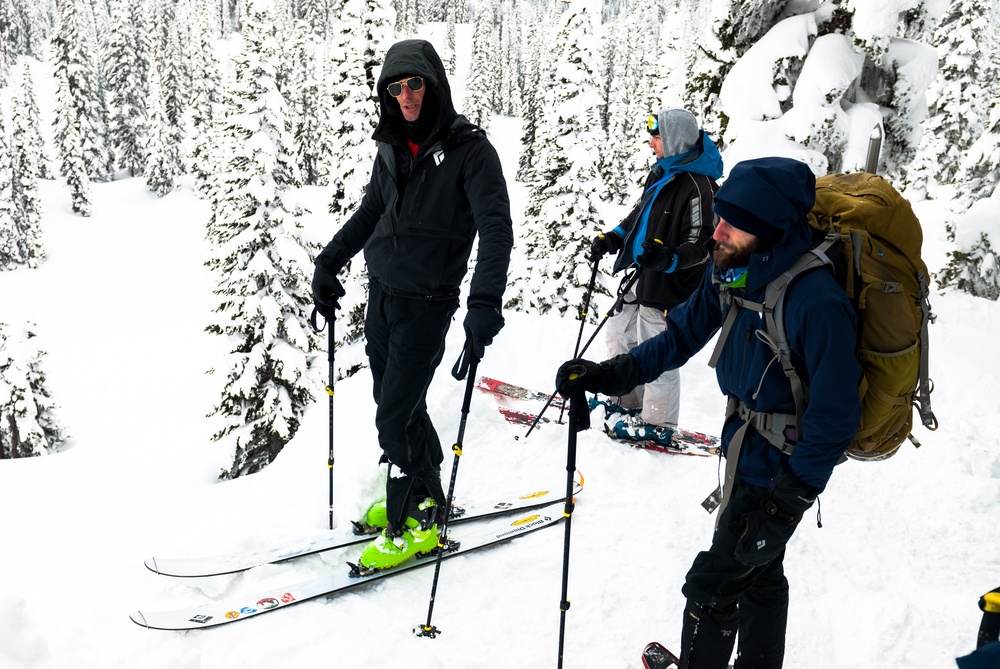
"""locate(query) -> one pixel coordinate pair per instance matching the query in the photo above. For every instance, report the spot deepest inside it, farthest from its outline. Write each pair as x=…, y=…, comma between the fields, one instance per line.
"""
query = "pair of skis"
x=517, y=405
x=480, y=526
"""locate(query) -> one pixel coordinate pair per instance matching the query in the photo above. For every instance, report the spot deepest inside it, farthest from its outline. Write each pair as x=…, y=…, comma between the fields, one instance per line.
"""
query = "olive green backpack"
x=868, y=235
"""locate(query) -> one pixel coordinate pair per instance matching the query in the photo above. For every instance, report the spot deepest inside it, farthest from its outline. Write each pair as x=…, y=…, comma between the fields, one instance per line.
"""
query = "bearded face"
x=731, y=252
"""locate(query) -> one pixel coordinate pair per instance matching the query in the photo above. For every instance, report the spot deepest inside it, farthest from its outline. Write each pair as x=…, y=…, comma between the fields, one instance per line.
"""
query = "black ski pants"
x=727, y=599
x=405, y=341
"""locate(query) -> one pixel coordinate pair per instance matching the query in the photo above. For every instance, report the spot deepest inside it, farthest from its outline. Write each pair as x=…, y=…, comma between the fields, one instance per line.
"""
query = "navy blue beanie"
x=766, y=196
x=740, y=218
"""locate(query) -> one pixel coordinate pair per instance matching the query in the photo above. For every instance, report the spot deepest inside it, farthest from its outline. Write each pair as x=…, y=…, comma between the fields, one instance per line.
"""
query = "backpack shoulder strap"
x=776, y=336
x=773, y=312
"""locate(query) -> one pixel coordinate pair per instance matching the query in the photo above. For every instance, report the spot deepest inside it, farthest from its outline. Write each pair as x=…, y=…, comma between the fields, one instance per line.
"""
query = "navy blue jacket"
x=821, y=328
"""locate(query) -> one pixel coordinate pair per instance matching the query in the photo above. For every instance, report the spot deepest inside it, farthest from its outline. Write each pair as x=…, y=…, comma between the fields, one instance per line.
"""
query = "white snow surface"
x=891, y=580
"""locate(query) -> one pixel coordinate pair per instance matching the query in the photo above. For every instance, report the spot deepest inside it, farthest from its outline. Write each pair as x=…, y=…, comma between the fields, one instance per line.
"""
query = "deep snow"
x=891, y=580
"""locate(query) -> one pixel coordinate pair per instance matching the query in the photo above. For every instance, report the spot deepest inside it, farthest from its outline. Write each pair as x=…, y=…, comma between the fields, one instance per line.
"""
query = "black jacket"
x=419, y=217
x=681, y=217
x=683, y=220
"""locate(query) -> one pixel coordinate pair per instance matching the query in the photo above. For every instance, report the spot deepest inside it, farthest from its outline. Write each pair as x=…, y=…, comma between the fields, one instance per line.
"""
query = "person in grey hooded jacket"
x=667, y=235
x=435, y=186
x=737, y=588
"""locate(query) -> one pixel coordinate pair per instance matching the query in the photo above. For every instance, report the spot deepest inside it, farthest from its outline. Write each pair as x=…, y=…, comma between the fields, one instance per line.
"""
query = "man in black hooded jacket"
x=436, y=183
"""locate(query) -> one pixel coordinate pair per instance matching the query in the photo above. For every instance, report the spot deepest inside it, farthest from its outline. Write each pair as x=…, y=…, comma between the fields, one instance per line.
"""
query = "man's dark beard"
x=733, y=256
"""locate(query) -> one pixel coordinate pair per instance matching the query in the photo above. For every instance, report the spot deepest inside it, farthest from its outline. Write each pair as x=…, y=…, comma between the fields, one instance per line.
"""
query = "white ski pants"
x=661, y=399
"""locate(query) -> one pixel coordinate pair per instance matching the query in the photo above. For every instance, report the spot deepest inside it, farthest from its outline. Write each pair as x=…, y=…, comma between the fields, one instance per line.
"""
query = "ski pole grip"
x=989, y=628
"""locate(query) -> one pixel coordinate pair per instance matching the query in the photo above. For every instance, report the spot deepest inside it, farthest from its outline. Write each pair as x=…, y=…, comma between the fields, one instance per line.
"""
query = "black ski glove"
x=657, y=257
x=579, y=375
x=482, y=324
x=326, y=287
x=768, y=528
x=602, y=244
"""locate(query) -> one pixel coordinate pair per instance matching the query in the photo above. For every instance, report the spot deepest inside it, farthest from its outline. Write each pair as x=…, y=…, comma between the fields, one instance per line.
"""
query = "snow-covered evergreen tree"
x=567, y=183
x=979, y=169
x=175, y=82
x=262, y=269
x=406, y=17
x=481, y=81
x=10, y=254
x=126, y=68
x=310, y=107
x=162, y=162
x=206, y=84
x=70, y=142
x=960, y=95
x=509, y=85
x=973, y=265
x=448, y=53
x=33, y=120
x=34, y=25
x=316, y=14
x=81, y=134
x=9, y=37
x=364, y=34
x=624, y=132
x=28, y=422
x=534, y=66
x=24, y=164
x=804, y=111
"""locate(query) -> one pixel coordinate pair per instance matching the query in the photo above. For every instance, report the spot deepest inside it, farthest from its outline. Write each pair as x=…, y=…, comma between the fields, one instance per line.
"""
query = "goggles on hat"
x=413, y=83
x=653, y=125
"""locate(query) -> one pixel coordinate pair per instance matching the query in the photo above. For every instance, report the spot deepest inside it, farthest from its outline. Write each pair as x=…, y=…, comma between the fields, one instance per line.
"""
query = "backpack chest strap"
x=777, y=428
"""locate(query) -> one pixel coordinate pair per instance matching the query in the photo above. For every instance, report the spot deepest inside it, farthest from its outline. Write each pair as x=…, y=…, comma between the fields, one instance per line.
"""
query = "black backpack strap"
x=924, y=386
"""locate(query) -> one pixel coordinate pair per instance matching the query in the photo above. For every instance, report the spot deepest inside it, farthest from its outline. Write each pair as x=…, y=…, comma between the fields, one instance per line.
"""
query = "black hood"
x=414, y=57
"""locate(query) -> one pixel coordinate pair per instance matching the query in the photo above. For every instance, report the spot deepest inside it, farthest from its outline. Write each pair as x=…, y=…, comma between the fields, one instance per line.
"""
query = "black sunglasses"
x=413, y=83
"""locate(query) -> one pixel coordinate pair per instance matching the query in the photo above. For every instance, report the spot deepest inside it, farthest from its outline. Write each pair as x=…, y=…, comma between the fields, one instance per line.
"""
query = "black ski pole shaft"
x=329, y=392
x=584, y=312
x=613, y=309
x=427, y=629
x=568, y=513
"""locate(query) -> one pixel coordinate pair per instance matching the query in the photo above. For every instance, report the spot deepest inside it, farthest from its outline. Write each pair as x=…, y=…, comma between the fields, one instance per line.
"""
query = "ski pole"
x=583, y=317
x=614, y=307
x=874, y=148
x=578, y=403
x=427, y=629
x=989, y=627
x=329, y=391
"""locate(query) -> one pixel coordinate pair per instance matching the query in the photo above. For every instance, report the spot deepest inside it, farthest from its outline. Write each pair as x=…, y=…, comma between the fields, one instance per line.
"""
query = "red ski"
x=655, y=656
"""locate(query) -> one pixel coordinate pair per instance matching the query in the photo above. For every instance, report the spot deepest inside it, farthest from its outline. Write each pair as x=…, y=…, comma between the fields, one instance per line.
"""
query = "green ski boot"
x=374, y=519
x=394, y=546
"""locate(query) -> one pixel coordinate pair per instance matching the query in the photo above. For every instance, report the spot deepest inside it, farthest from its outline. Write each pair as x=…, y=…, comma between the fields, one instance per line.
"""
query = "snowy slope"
x=891, y=580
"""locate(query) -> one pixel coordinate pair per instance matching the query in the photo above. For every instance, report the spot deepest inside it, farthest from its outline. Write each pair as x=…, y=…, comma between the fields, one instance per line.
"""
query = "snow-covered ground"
x=891, y=580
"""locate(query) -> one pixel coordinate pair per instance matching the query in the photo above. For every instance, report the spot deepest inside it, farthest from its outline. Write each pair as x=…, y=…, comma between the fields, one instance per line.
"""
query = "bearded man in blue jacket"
x=737, y=588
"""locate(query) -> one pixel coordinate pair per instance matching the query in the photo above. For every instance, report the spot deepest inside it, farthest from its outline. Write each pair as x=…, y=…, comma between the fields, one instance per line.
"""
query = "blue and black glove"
x=326, y=287
x=766, y=529
x=657, y=257
x=604, y=243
